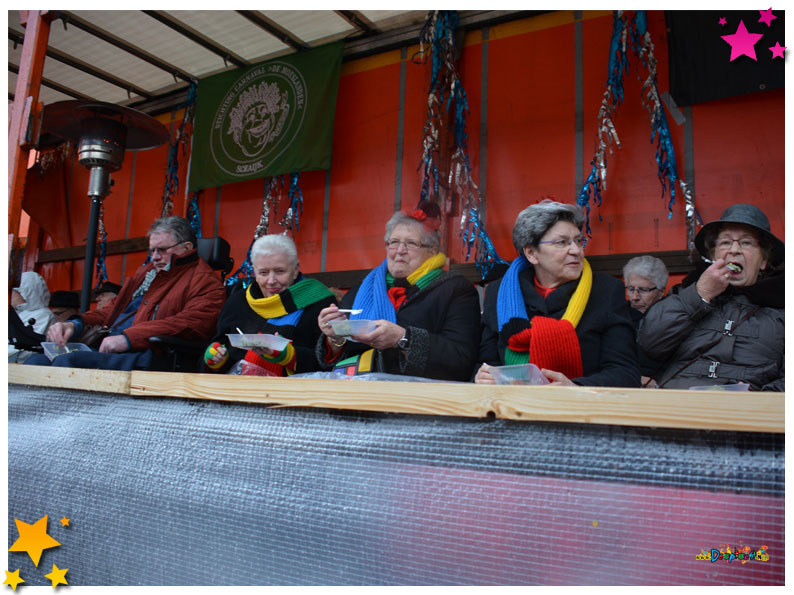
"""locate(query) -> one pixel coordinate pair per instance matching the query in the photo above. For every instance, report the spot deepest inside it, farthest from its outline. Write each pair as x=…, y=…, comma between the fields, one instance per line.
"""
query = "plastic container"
x=518, y=374
x=260, y=340
x=53, y=350
x=742, y=386
x=348, y=328
x=246, y=368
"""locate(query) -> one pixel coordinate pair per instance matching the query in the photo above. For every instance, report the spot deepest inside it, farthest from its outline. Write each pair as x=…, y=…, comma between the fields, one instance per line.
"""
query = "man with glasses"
x=176, y=293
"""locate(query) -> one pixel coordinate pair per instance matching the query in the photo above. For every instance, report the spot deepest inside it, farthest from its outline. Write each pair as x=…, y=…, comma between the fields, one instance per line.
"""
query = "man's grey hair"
x=534, y=221
x=275, y=244
x=647, y=267
x=429, y=238
x=178, y=227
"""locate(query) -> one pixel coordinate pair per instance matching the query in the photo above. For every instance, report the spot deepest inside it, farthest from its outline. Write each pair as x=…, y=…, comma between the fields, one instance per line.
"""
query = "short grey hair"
x=275, y=244
x=647, y=267
x=178, y=227
x=534, y=221
x=429, y=238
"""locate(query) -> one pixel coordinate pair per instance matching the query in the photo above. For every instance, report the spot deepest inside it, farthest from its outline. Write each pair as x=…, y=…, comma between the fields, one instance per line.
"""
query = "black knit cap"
x=65, y=299
x=746, y=215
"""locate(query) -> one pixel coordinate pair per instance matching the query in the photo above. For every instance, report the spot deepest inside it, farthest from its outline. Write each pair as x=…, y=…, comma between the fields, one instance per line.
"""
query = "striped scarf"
x=544, y=341
x=372, y=297
x=285, y=308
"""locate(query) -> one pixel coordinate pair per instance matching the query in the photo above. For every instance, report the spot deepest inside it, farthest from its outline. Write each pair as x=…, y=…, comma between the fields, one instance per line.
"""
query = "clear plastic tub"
x=260, y=340
x=741, y=386
x=348, y=328
x=518, y=374
x=53, y=350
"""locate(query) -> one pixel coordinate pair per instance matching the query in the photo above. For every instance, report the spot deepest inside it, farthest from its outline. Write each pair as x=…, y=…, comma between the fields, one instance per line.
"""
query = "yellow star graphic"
x=65, y=522
x=13, y=579
x=33, y=539
x=57, y=576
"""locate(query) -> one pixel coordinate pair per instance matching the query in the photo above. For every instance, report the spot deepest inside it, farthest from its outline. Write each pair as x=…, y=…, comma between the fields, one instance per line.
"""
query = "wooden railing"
x=711, y=410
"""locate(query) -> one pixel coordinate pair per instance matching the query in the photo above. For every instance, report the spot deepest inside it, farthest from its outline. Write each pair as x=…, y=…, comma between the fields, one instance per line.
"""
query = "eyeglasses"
x=564, y=243
x=409, y=245
x=162, y=250
x=745, y=244
x=641, y=290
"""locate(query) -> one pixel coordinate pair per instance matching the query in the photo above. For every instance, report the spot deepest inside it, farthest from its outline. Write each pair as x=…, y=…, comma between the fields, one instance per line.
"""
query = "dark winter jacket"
x=183, y=301
x=717, y=343
x=443, y=320
x=238, y=314
x=605, y=331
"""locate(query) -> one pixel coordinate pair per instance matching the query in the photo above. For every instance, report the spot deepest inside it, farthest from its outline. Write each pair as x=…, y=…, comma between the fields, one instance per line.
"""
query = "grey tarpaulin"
x=173, y=491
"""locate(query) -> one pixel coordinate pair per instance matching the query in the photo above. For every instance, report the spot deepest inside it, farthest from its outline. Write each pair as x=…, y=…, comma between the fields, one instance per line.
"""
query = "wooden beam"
x=78, y=252
x=110, y=381
x=713, y=410
x=704, y=410
x=25, y=111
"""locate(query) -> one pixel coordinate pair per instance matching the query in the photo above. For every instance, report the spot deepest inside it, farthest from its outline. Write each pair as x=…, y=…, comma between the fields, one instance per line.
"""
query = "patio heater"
x=101, y=132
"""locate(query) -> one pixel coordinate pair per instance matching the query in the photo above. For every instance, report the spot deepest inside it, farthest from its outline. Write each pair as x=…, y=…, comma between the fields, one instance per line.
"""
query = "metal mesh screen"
x=171, y=491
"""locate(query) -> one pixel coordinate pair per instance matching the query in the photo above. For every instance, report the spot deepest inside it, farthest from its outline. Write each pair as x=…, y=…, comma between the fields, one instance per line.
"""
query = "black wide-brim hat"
x=746, y=215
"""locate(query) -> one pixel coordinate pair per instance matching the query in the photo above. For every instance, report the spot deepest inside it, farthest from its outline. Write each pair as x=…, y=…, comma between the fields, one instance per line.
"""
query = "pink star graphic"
x=777, y=50
x=742, y=43
x=767, y=17
x=723, y=21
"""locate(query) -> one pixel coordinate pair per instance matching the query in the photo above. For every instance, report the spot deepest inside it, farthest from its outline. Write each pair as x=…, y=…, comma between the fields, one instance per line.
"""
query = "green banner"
x=273, y=118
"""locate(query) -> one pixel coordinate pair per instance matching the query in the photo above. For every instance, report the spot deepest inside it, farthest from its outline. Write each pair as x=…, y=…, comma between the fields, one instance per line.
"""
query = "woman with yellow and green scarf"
x=551, y=310
x=280, y=301
x=427, y=320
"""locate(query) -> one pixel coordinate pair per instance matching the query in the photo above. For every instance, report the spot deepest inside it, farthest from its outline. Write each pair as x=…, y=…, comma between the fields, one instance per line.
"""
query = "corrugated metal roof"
x=131, y=57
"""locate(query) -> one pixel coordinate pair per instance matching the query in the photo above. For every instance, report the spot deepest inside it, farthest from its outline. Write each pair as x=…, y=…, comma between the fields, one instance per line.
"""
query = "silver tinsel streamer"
x=439, y=34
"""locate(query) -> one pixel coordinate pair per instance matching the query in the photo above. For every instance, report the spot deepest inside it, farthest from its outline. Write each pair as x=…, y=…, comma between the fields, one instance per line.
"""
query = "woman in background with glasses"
x=551, y=310
x=428, y=320
x=728, y=327
x=646, y=279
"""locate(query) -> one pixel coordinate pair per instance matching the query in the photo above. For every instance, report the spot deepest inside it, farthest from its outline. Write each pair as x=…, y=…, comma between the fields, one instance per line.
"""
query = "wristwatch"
x=404, y=342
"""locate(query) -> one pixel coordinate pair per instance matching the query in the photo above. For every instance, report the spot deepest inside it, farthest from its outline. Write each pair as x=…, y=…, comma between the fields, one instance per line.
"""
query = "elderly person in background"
x=427, y=319
x=30, y=301
x=646, y=279
x=106, y=293
x=551, y=310
x=64, y=304
x=729, y=326
x=280, y=301
x=175, y=294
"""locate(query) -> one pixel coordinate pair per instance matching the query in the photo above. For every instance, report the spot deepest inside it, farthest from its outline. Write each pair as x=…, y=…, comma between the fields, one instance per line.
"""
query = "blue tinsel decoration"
x=194, y=214
x=101, y=268
x=296, y=199
x=618, y=66
x=245, y=274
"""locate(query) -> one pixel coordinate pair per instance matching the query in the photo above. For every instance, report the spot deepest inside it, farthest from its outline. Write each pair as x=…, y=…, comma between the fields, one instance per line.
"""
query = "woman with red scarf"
x=551, y=310
x=427, y=320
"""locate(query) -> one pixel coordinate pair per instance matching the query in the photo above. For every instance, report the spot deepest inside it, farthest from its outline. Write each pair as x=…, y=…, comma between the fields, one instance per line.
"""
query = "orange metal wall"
x=531, y=145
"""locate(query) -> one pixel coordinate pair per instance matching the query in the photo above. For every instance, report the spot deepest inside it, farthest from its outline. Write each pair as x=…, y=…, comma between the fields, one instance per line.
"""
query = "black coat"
x=444, y=323
x=605, y=331
x=237, y=313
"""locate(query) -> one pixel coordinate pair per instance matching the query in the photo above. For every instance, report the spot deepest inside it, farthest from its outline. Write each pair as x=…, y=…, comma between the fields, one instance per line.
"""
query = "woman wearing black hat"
x=729, y=327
